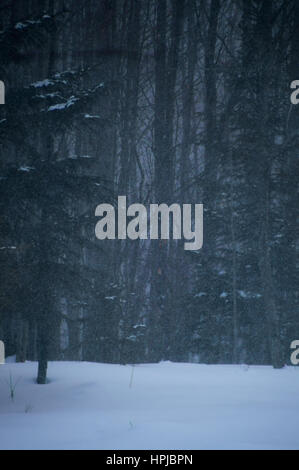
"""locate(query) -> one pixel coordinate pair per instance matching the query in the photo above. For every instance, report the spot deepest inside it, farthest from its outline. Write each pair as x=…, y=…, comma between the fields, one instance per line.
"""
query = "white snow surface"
x=159, y=406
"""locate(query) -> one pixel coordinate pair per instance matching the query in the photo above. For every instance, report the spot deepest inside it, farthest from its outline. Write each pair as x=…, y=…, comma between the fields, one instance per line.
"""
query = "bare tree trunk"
x=166, y=65
x=188, y=98
x=272, y=315
x=22, y=339
x=211, y=155
x=236, y=327
x=45, y=322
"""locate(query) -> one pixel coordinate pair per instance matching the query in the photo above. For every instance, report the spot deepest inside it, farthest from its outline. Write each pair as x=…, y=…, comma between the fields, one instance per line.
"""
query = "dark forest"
x=161, y=101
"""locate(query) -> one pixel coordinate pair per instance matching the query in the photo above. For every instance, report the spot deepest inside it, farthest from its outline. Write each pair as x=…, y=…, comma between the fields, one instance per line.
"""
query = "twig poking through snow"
x=132, y=375
x=12, y=386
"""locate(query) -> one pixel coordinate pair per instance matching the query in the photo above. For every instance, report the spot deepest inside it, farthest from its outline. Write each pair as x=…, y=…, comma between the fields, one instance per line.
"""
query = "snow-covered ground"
x=162, y=406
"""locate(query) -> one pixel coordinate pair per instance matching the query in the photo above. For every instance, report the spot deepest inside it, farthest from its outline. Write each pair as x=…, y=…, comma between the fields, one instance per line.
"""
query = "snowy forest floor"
x=160, y=406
